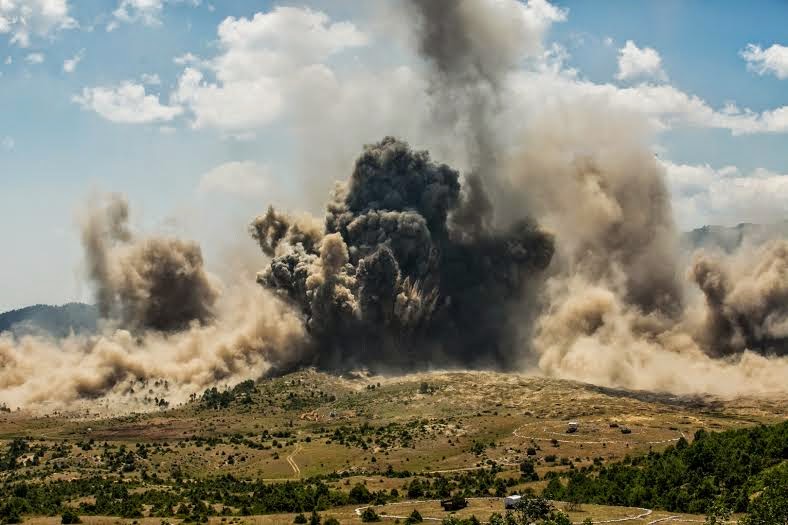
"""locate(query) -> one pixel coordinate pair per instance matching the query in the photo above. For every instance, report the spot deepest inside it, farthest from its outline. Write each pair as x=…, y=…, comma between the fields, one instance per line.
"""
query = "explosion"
x=390, y=280
x=555, y=250
x=153, y=283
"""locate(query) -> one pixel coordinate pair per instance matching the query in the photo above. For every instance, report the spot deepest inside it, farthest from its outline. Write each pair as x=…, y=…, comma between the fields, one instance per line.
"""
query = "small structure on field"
x=454, y=503
x=572, y=427
x=510, y=502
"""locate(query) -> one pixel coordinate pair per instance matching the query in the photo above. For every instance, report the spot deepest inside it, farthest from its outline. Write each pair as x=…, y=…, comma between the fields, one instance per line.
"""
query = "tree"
x=300, y=519
x=528, y=471
x=770, y=507
x=531, y=509
x=369, y=515
x=360, y=494
x=718, y=513
x=557, y=518
x=415, y=489
x=70, y=517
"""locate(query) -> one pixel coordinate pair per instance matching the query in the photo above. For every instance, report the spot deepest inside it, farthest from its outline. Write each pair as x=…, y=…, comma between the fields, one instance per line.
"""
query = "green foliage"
x=360, y=494
x=192, y=501
x=454, y=520
x=300, y=519
x=10, y=460
x=770, y=505
x=685, y=478
x=369, y=515
x=12, y=510
x=528, y=471
x=69, y=517
x=718, y=513
x=331, y=520
x=531, y=509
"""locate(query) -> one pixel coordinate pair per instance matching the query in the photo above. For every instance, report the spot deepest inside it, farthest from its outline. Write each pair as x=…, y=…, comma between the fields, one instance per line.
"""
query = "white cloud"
x=664, y=105
x=634, y=62
x=23, y=19
x=8, y=60
x=232, y=105
x=773, y=59
x=262, y=58
x=70, y=64
x=34, y=58
x=126, y=103
x=7, y=143
x=147, y=12
x=705, y=195
x=188, y=59
x=151, y=80
x=241, y=178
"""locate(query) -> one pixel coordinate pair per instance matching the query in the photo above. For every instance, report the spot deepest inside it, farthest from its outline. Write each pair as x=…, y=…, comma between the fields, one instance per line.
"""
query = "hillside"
x=728, y=239
x=57, y=321
x=310, y=440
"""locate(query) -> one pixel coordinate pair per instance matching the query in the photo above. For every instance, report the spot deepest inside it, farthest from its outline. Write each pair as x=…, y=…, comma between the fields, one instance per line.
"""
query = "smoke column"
x=152, y=283
x=556, y=248
x=168, y=332
x=616, y=308
x=389, y=282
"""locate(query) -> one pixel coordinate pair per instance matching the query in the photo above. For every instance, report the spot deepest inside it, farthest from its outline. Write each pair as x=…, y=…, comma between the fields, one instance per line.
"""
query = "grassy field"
x=309, y=424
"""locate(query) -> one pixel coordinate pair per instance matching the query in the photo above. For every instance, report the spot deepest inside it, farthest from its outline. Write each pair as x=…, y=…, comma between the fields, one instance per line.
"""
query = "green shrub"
x=369, y=515
x=69, y=517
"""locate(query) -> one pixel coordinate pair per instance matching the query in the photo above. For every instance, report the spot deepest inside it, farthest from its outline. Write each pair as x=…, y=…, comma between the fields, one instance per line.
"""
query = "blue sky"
x=202, y=119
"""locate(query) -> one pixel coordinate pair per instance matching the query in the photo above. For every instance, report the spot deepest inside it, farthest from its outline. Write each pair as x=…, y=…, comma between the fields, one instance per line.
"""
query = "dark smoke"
x=392, y=281
x=747, y=304
x=153, y=283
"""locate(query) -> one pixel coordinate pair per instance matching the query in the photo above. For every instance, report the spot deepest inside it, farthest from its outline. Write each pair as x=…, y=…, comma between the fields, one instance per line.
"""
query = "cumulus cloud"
x=772, y=60
x=34, y=58
x=24, y=19
x=7, y=143
x=236, y=177
x=70, y=64
x=635, y=62
x=665, y=105
x=261, y=59
x=126, y=103
x=706, y=195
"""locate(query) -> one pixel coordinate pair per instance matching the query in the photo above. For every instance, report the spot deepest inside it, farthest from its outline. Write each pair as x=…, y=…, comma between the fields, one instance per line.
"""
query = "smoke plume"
x=153, y=283
x=747, y=304
x=556, y=248
x=614, y=308
x=168, y=332
x=390, y=281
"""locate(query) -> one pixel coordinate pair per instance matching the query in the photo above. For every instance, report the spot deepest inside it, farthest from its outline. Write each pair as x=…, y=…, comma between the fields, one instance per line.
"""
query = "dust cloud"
x=556, y=250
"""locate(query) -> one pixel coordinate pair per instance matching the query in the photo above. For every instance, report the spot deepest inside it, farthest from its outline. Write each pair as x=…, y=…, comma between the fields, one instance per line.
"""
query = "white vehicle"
x=511, y=502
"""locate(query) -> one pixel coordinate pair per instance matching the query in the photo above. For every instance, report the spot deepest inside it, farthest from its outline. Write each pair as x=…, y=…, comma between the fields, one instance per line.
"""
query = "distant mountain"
x=729, y=239
x=57, y=321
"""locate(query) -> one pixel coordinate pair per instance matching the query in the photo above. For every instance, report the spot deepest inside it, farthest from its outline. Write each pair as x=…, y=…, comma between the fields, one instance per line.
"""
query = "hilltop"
x=57, y=321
